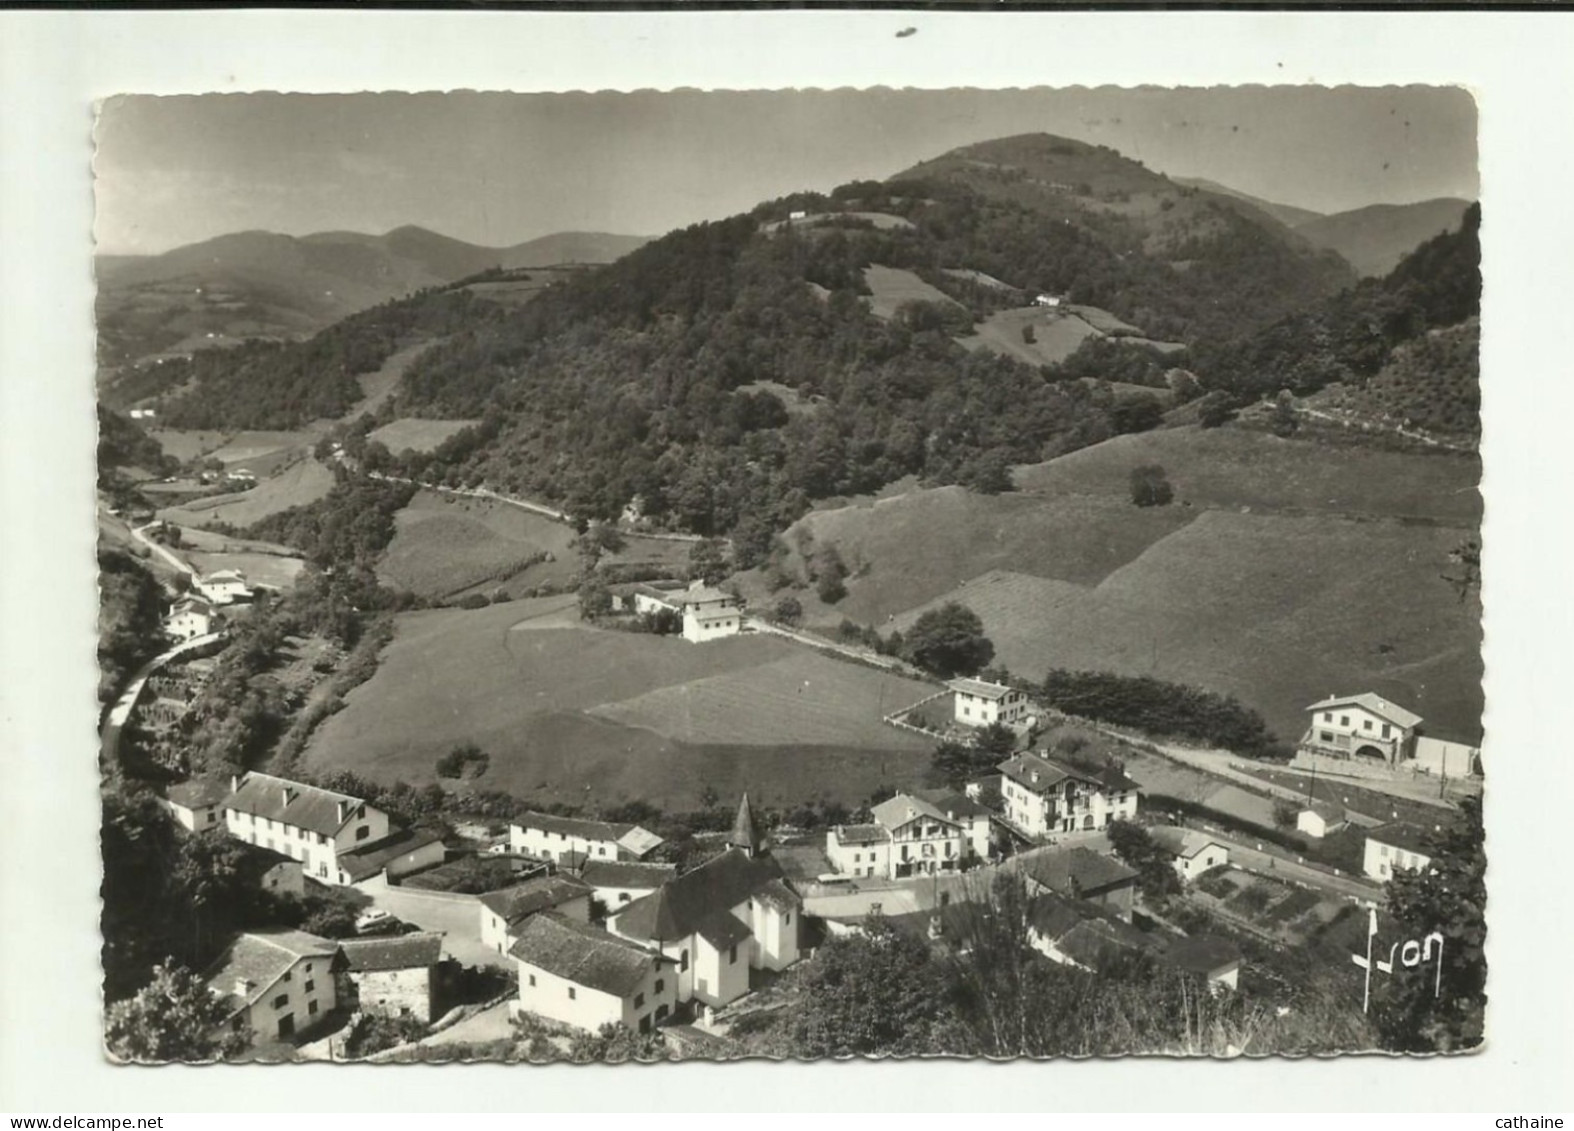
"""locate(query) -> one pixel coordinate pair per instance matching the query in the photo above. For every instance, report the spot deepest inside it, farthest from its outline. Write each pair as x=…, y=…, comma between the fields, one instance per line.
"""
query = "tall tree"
x=949, y=641
x=1431, y=1008
x=173, y=1018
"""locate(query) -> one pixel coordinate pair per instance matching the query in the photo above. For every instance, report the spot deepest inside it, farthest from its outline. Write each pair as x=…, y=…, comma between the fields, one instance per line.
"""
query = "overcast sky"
x=499, y=169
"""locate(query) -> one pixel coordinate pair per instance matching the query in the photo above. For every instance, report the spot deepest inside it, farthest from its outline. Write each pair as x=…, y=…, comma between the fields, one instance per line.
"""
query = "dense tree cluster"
x=948, y=641
x=130, y=609
x=1152, y=705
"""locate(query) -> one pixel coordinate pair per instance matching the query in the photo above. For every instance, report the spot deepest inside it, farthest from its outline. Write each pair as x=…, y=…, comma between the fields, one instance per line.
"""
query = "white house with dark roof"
x=616, y=882
x=708, y=614
x=305, y=822
x=1361, y=727
x=979, y=703
x=403, y=852
x=189, y=618
x=277, y=983
x=1319, y=819
x=583, y=976
x=859, y=850
x=1044, y=795
x=505, y=912
x=1081, y=874
x=1396, y=848
x=571, y=840
x=197, y=804
x=223, y=587
x=1192, y=851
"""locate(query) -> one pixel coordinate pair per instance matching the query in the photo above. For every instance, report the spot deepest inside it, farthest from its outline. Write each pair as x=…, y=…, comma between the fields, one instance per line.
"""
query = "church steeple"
x=746, y=832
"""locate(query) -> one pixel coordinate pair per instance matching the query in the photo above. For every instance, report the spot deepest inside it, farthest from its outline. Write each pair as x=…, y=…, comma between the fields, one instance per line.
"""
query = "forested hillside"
x=664, y=378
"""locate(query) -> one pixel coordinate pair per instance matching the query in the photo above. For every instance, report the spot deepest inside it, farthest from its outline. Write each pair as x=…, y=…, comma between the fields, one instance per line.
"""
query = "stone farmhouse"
x=1044, y=796
x=393, y=977
x=223, y=587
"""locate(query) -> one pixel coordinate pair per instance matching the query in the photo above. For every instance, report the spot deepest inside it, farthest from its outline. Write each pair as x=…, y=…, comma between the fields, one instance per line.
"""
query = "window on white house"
x=286, y=977
x=1344, y=720
x=532, y=979
x=639, y=1001
x=1328, y=716
x=573, y=994
x=732, y=954
x=661, y=984
x=683, y=959
x=1367, y=723
x=311, y=1007
x=1386, y=730
x=281, y=1001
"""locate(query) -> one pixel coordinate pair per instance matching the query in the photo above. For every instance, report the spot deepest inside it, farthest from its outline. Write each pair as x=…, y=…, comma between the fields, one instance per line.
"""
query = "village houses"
x=1044, y=796
x=1395, y=848
x=223, y=587
x=733, y=914
x=277, y=983
x=323, y=829
x=393, y=977
x=912, y=835
x=706, y=613
x=571, y=841
x=1081, y=874
x=189, y=618
x=979, y=703
x=197, y=804
x=504, y=912
x=1372, y=732
x=581, y=975
x=616, y=882
x=1192, y=851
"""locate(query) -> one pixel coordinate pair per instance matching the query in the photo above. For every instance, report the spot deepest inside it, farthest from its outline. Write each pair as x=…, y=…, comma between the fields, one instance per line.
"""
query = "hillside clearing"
x=530, y=697
x=413, y=435
x=188, y=445
x=301, y=483
x=1238, y=468
x=269, y=570
x=1056, y=336
x=1274, y=610
x=262, y=453
x=378, y=386
x=890, y=287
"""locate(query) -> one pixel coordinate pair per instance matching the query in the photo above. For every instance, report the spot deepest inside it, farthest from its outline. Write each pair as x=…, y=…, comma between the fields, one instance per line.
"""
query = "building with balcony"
x=1362, y=727
x=1044, y=796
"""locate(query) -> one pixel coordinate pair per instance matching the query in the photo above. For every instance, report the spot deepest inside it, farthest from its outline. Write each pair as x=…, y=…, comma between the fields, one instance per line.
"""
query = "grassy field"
x=817, y=700
x=1275, y=610
x=536, y=699
x=183, y=445
x=447, y=546
x=911, y=548
x=1237, y=468
x=412, y=435
x=891, y=287
x=304, y=481
x=1056, y=336
x=258, y=569
x=1284, y=571
x=262, y=453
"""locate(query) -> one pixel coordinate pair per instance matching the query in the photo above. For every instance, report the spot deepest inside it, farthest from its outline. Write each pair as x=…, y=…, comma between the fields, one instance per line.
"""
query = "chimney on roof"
x=343, y=809
x=244, y=986
x=234, y=783
x=289, y=794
